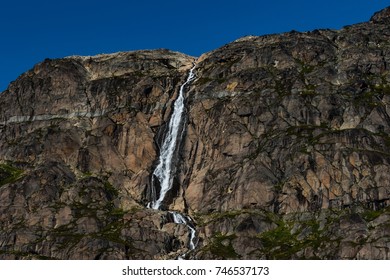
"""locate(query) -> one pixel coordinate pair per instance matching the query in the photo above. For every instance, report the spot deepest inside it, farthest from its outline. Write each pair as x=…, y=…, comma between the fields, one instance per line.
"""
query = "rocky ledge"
x=285, y=153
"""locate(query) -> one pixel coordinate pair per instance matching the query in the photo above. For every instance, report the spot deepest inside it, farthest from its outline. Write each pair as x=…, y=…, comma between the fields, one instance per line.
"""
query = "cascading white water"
x=180, y=219
x=163, y=171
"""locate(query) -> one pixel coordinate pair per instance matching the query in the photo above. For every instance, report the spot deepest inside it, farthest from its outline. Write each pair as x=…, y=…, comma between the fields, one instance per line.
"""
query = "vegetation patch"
x=25, y=255
x=293, y=236
x=221, y=246
x=110, y=190
x=117, y=212
x=370, y=215
x=9, y=174
x=279, y=243
x=382, y=88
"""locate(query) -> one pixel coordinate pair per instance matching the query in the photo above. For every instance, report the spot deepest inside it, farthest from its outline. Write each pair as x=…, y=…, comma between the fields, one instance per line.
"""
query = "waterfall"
x=165, y=170
x=181, y=219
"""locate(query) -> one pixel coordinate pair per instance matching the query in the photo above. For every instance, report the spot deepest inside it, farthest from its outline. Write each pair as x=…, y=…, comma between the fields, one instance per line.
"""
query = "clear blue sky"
x=31, y=31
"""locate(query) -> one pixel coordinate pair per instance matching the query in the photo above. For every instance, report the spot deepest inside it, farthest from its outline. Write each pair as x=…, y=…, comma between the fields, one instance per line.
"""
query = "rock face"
x=285, y=153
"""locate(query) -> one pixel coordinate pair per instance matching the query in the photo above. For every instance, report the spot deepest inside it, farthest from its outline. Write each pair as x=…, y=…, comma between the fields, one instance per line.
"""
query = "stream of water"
x=165, y=170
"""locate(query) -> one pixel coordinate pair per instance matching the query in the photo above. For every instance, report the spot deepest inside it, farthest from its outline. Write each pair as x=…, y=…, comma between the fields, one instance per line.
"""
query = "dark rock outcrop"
x=285, y=153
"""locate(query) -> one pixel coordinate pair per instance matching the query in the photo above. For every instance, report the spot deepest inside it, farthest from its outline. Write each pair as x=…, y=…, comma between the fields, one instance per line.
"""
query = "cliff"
x=285, y=151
